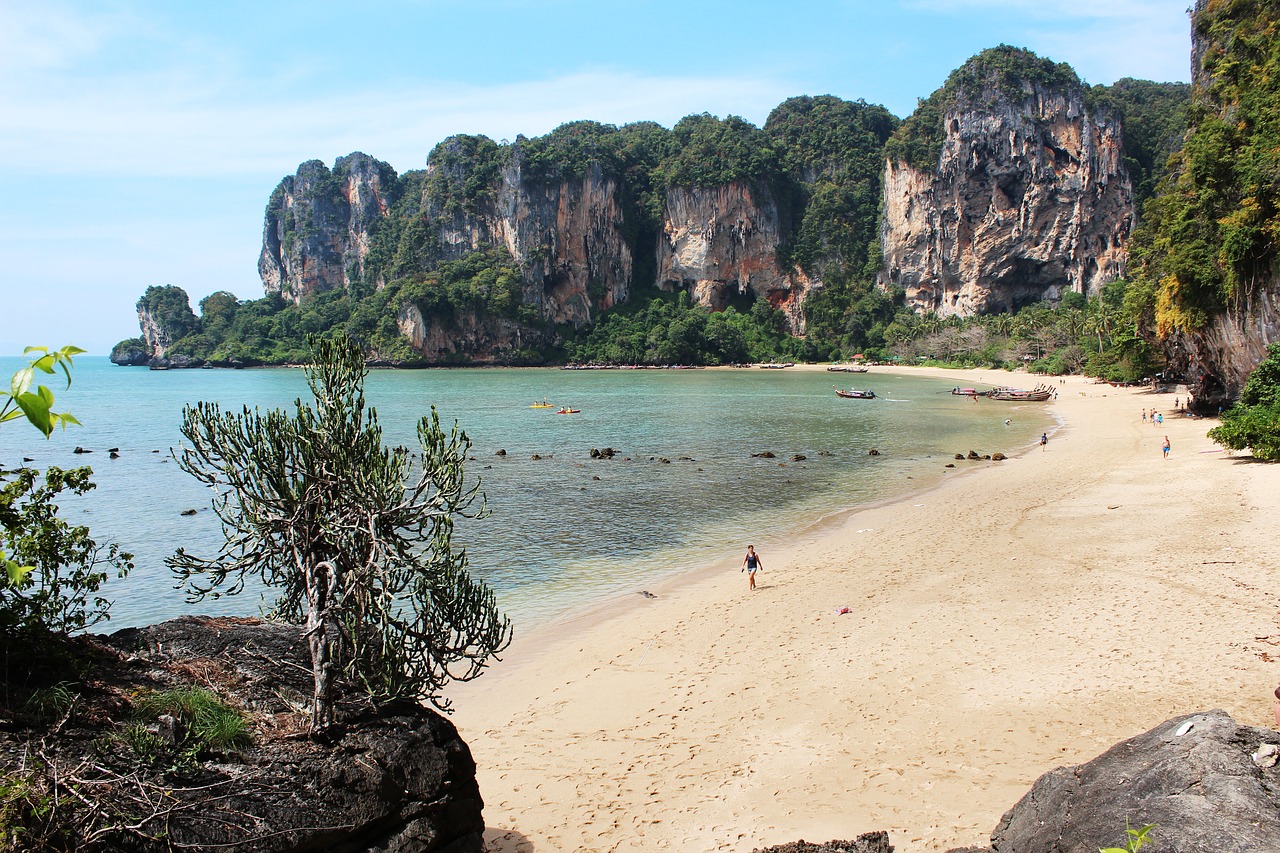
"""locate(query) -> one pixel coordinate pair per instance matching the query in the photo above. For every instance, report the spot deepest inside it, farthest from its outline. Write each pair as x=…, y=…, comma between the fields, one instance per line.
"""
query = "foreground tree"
x=1254, y=421
x=36, y=406
x=355, y=535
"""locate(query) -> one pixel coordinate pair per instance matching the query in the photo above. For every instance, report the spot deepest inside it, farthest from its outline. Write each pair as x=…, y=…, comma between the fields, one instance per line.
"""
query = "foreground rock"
x=1194, y=777
x=396, y=777
x=871, y=842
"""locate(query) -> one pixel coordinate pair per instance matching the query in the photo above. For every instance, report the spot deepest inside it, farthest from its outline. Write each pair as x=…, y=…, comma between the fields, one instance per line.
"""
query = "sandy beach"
x=1022, y=615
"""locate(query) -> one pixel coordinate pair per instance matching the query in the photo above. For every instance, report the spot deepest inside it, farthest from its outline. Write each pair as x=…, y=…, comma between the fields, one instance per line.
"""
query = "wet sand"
x=1022, y=615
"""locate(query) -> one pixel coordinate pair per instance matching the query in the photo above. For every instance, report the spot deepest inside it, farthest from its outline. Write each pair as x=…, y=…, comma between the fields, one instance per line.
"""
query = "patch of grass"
x=202, y=725
x=48, y=704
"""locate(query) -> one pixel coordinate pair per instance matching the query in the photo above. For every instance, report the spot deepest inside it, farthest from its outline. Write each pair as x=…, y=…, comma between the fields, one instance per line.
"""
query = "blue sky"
x=142, y=139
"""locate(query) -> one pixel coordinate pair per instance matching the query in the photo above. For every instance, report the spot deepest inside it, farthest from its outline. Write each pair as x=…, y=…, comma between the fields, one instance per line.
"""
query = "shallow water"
x=565, y=531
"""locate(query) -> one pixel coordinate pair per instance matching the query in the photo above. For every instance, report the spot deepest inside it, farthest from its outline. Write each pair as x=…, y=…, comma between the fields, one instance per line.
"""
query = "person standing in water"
x=751, y=564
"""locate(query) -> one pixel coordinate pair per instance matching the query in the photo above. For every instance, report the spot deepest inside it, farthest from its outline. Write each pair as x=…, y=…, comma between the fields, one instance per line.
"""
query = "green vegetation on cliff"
x=1155, y=121
x=833, y=153
x=1210, y=238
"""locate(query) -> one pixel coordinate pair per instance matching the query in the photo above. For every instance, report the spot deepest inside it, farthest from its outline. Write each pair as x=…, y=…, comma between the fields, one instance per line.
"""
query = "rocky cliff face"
x=468, y=338
x=1217, y=357
x=1029, y=199
x=566, y=234
x=718, y=242
x=319, y=225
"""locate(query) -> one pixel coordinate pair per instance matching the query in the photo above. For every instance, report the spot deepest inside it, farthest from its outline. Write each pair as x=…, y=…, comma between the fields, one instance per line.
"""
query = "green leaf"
x=21, y=381
x=37, y=411
x=16, y=574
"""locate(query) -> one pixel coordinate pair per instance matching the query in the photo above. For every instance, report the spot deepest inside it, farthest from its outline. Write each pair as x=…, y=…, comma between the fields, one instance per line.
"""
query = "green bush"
x=1253, y=423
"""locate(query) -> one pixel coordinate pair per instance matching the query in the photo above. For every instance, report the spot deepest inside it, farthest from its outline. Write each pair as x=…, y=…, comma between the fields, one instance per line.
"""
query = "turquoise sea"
x=566, y=531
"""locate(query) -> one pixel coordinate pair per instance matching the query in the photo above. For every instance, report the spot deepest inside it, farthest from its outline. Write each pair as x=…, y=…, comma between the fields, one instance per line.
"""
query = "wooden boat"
x=773, y=365
x=970, y=392
x=847, y=368
x=853, y=394
x=565, y=410
x=1016, y=395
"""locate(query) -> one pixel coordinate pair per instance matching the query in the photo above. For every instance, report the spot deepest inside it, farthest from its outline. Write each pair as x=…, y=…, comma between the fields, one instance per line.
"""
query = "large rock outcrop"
x=396, y=778
x=720, y=242
x=1206, y=782
x=564, y=231
x=1216, y=262
x=1028, y=197
x=468, y=338
x=319, y=225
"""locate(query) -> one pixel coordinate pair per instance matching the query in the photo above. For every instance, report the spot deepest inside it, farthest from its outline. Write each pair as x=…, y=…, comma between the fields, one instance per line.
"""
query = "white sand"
x=1021, y=616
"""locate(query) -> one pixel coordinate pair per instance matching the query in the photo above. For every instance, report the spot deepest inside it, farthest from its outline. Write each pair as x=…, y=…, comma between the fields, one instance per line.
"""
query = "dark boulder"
x=395, y=777
x=1195, y=777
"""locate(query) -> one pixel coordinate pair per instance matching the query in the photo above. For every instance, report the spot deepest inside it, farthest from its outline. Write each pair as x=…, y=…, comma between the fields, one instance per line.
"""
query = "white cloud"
x=139, y=126
x=1102, y=39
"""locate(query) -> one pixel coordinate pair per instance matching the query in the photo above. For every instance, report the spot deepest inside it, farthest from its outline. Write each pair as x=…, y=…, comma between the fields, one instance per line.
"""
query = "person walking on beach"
x=1165, y=447
x=1044, y=439
x=751, y=564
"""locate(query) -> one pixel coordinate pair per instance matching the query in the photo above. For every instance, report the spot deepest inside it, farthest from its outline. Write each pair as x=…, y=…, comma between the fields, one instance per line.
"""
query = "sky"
x=142, y=138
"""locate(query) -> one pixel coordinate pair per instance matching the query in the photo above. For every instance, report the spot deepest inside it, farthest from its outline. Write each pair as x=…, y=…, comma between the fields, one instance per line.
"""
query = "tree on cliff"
x=355, y=535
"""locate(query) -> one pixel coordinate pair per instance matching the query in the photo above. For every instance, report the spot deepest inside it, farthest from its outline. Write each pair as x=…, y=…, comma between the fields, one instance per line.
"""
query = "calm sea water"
x=566, y=531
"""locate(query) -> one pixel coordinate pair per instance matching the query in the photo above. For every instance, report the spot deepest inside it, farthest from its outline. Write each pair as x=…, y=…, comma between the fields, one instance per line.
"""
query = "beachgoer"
x=1044, y=439
x=1160, y=418
x=1144, y=416
x=1165, y=447
x=1278, y=706
x=752, y=564
x=1008, y=422
x=1175, y=403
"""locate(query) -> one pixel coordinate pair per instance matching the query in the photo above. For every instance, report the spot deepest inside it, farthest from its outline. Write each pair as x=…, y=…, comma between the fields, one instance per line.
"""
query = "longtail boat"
x=1016, y=395
x=854, y=394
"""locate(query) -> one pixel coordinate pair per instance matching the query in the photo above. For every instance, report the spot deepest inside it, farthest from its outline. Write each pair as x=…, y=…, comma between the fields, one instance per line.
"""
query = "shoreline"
x=527, y=645
x=1024, y=616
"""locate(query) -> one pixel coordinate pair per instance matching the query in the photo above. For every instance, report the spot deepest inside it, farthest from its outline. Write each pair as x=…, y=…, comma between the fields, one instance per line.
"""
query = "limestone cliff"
x=164, y=317
x=320, y=223
x=1212, y=257
x=1027, y=198
x=468, y=337
x=719, y=242
x=565, y=231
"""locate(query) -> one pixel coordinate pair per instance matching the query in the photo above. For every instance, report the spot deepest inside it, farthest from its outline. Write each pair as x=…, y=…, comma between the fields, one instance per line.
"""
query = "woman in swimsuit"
x=751, y=564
